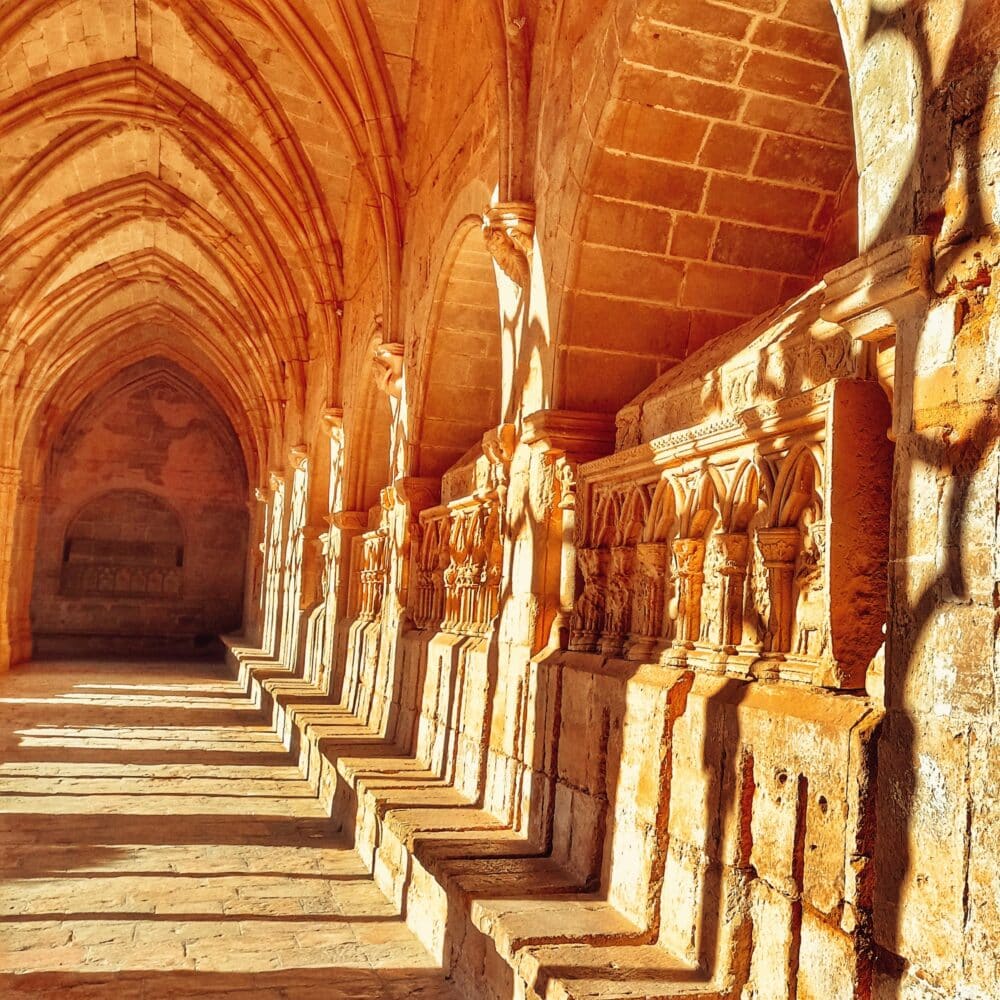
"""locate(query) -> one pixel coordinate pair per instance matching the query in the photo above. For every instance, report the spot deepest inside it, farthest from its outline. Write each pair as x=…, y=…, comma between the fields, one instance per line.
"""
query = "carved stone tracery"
x=458, y=567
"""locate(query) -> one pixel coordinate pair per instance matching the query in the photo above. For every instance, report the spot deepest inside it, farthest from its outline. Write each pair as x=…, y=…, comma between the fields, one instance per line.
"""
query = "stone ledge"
x=432, y=850
x=495, y=907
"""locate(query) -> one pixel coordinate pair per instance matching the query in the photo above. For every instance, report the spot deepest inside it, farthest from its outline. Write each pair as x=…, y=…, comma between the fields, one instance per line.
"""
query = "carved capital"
x=735, y=554
x=652, y=558
x=779, y=546
x=509, y=232
x=418, y=493
x=298, y=455
x=868, y=296
x=349, y=520
x=581, y=437
x=690, y=553
x=276, y=481
x=388, y=361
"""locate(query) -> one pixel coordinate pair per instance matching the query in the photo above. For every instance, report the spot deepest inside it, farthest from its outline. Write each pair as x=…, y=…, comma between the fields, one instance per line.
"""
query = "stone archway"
x=459, y=376
x=719, y=183
x=142, y=534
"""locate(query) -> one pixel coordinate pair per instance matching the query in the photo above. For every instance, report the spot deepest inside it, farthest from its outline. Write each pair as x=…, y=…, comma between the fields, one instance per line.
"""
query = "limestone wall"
x=142, y=534
x=616, y=384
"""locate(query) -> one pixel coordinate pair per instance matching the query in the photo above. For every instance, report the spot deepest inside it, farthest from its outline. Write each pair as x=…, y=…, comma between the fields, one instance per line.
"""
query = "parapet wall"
x=607, y=726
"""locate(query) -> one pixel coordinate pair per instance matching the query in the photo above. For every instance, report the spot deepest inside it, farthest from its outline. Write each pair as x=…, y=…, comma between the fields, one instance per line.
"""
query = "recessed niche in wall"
x=125, y=543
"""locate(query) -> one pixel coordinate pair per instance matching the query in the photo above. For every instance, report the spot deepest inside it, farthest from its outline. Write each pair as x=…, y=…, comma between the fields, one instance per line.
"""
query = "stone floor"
x=156, y=841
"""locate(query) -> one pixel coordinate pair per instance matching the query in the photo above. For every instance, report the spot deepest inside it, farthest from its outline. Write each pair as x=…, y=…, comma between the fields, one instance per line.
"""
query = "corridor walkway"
x=157, y=841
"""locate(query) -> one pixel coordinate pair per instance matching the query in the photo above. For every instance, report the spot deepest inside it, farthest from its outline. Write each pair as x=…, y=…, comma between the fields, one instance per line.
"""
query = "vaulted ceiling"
x=174, y=180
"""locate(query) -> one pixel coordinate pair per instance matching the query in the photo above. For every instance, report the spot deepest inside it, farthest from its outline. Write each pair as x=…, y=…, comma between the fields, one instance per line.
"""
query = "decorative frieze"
x=456, y=548
x=372, y=561
x=779, y=548
x=871, y=295
x=717, y=562
x=459, y=567
x=433, y=557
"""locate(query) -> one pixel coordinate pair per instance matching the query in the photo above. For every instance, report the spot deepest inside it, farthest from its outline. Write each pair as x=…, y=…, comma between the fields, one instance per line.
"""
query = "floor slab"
x=157, y=841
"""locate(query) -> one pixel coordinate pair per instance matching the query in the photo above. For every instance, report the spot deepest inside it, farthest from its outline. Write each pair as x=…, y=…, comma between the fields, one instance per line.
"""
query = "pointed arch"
x=798, y=487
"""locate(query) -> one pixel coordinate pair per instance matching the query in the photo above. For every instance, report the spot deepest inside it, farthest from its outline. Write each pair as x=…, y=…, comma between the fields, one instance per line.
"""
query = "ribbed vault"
x=174, y=180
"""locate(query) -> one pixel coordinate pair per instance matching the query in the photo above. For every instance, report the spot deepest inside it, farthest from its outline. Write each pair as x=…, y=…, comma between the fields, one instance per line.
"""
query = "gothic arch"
x=719, y=183
x=458, y=370
x=701, y=507
x=368, y=462
x=160, y=458
x=797, y=488
x=750, y=487
x=663, y=512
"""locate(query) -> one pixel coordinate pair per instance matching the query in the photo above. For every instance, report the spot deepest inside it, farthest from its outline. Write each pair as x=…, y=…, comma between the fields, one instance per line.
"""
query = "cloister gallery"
x=499, y=499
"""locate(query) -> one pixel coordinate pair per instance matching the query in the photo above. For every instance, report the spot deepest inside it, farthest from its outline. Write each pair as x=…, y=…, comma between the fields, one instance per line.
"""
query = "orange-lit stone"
x=578, y=421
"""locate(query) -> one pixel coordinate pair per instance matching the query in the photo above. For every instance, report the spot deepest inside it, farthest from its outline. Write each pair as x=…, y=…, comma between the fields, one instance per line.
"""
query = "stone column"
x=735, y=555
x=346, y=525
x=780, y=548
x=934, y=851
x=26, y=541
x=10, y=486
x=618, y=600
x=690, y=556
x=653, y=559
x=313, y=560
x=417, y=494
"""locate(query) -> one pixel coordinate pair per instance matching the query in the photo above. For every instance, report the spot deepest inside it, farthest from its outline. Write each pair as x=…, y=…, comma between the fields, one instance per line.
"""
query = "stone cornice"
x=579, y=436
x=349, y=520
x=802, y=413
x=418, y=492
x=867, y=295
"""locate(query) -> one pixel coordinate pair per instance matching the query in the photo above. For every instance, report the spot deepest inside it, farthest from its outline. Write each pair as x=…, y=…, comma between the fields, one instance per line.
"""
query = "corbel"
x=509, y=232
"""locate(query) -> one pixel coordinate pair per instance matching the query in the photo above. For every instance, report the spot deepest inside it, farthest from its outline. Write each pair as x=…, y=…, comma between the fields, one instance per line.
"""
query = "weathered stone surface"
x=594, y=405
x=184, y=860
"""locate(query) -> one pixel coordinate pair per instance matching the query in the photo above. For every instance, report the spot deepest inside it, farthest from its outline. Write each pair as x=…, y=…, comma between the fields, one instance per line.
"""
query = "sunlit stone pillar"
x=780, y=548
x=417, y=494
x=10, y=487
x=689, y=554
x=25, y=542
x=346, y=526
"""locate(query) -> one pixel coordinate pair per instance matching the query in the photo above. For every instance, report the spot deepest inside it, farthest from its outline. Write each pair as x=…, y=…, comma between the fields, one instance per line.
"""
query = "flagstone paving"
x=156, y=840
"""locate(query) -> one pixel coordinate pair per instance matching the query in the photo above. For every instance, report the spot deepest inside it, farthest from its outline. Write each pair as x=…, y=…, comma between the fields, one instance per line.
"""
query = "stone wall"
x=616, y=385
x=143, y=528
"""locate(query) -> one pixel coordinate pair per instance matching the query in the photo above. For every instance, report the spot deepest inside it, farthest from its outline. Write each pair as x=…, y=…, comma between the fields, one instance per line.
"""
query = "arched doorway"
x=142, y=535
